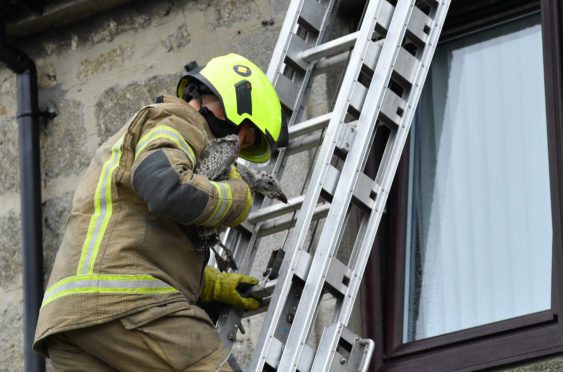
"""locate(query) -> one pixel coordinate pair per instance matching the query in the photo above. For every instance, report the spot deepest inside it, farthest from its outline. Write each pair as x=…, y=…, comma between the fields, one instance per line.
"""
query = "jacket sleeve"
x=162, y=174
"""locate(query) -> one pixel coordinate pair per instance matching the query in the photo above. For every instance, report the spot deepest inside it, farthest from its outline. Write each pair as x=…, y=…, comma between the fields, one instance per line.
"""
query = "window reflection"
x=480, y=230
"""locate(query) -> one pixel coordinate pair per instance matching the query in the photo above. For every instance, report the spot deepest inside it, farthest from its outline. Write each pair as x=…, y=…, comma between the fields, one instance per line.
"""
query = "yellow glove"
x=223, y=286
x=233, y=173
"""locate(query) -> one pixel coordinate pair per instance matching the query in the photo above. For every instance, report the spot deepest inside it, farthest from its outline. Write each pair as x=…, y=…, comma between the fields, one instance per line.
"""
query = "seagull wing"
x=218, y=157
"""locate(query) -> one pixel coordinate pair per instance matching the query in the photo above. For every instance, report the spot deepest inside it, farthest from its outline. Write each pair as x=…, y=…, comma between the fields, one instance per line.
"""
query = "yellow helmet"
x=245, y=93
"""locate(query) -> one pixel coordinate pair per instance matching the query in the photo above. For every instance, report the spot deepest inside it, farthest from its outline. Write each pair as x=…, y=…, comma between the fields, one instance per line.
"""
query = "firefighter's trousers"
x=153, y=340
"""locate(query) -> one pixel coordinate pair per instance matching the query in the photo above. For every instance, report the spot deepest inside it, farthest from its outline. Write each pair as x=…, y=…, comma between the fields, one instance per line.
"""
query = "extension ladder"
x=385, y=62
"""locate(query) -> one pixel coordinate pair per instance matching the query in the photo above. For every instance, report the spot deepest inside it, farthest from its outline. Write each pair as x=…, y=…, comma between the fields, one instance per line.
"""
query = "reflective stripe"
x=125, y=284
x=223, y=203
x=169, y=133
x=102, y=214
x=240, y=219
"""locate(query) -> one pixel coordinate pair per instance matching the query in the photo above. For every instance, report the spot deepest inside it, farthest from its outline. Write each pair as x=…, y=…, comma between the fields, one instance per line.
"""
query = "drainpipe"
x=30, y=181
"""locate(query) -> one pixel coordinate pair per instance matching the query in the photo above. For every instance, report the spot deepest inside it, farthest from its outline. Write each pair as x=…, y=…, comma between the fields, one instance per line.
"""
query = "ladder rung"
x=338, y=277
x=306, y=360
x=308, y=126
x=303, y=265
x=302, y=144
x=372, y=54
x=385, y=15
x=419, y=27
x=312, y=14
x=365, y=192
x=358, y=97
x=392, y=109
x=287, y=92
x=263, y=291
x=346, y=138
x=331, y=181
x=294, y=51
x=276, y=210
x=325, y=65
x=406, y=67
x=274, y=353
x=330, y=48
x=286, y=222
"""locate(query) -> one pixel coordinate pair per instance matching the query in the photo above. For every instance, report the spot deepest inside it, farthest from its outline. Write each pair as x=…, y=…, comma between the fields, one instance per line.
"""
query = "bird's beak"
x=281, y=197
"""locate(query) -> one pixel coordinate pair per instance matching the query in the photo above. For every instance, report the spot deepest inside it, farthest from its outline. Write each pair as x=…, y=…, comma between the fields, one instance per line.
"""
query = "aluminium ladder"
x=386, y=62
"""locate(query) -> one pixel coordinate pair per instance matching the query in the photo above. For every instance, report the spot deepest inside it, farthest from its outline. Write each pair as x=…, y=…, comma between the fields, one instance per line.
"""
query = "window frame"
x=494, y=344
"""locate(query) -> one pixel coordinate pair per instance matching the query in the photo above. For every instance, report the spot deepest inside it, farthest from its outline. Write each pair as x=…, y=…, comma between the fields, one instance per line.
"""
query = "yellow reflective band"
x=244, y=213
x=167, y=132
x=102, y=214
x=218, y=206
x=123, y=284
x=224, y=201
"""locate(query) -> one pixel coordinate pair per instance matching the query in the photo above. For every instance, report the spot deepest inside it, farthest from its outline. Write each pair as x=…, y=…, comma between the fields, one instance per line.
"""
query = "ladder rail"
x=388, y=169
x=306, y=213
x=358, y=155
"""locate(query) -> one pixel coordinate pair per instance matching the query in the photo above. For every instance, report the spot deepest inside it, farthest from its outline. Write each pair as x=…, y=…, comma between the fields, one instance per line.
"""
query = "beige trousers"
x=158, y=339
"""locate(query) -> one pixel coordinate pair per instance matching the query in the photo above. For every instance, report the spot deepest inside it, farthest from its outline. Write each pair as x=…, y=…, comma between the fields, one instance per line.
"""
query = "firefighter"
x=125, y=285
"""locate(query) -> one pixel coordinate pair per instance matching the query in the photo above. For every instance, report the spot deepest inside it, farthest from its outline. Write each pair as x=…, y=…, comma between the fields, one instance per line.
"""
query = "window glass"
x=480, y=229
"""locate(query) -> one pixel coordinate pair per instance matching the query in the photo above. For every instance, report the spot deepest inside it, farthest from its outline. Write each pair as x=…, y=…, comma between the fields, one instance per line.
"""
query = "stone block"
x=117, y=104
x=54, y=213
x=63, y=141
x=11, y=337
x=177, y=40
x=279, y=8
x=229, y=12
x=258, y=46
x=11, y=251
x=105, y=62
x=9, y=161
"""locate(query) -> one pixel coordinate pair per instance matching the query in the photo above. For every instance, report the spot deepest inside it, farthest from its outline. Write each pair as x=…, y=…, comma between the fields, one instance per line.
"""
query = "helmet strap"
x=219, y=128
x=191, y=92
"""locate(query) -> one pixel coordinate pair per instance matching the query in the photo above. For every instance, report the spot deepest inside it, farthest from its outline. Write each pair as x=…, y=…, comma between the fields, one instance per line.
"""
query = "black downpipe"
x=30, y=181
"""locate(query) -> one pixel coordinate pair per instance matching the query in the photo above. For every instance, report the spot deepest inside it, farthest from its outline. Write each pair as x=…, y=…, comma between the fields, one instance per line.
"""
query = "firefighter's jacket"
x=126, y=245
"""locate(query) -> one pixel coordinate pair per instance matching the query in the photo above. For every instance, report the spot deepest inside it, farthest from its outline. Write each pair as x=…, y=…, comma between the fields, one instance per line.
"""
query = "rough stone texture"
x=105, y=61
x=9, y=161
x=257, y=45
x=117, y=104
x=10, y=251
x=231, y=11
x=177, y=40
x=546, y=365
x=63, y=142
x=54, y=213
x=47, y=76
x=11, y=337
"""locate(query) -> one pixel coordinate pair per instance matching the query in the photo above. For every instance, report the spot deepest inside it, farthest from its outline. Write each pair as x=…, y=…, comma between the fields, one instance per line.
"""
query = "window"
x=467, y=269
x=479, y=230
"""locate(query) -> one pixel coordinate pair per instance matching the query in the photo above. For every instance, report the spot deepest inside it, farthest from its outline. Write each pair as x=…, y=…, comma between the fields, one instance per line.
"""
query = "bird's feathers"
x=217, y=158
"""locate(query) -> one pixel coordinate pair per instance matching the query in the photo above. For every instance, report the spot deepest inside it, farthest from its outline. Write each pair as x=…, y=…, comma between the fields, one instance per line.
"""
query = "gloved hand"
x=222, y=287
x=233, y=173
